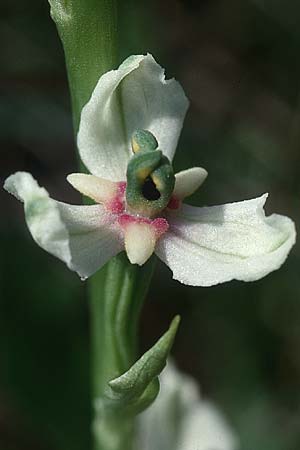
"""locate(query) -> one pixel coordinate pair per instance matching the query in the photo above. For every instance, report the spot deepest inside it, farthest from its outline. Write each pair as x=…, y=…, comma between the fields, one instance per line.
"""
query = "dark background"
x=239, y=64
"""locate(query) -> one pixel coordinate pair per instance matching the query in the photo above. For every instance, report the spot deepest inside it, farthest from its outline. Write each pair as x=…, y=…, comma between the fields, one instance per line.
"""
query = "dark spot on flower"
x=149, y=190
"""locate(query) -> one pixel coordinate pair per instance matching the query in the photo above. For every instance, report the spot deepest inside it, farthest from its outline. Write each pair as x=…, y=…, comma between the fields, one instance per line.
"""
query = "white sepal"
x=207, y=246
x=84, y=237
x=135, y=96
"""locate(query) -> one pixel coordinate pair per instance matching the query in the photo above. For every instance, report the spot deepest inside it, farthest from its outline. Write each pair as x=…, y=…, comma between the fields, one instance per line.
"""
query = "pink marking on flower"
x=122, y=187
x=141, y=235
x=117, y=204
x=160, y=225
x=174, y=203
x=126, y=219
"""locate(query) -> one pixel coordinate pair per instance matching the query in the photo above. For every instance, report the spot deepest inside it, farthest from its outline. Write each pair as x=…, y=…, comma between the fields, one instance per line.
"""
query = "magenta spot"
x=116, y=205
x=160, y=225
x=174, y=203
x=122, y=187
x=127, y=219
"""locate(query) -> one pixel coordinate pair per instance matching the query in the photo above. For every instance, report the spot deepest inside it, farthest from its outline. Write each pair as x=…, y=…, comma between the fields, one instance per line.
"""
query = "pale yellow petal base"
x=188, y=181
x=140, y=240
x=98, y=189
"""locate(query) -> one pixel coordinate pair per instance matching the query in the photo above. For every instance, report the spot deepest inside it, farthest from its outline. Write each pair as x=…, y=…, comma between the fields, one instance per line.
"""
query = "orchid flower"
x=180, y=419
x=127, y=139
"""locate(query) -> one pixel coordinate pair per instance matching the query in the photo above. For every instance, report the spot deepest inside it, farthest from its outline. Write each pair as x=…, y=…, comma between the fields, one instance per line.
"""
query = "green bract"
x=135, y=390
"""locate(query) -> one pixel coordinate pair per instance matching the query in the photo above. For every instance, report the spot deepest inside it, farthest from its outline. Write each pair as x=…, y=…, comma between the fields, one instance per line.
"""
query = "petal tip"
x=22, y=185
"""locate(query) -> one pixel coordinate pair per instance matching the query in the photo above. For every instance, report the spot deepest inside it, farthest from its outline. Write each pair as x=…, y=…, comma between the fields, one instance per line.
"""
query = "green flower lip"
x=150, y=176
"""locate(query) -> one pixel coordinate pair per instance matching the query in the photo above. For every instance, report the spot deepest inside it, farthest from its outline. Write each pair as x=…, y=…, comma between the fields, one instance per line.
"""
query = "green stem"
x=116, y=293
x=88, y=30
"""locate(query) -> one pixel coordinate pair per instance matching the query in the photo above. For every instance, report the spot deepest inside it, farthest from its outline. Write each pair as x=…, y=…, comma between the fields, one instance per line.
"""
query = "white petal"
x=135, y=96
x=207, y=246
x=204, y=428
x=84, y=237
x=180, y=420
x=188, y=181
x=150, y=102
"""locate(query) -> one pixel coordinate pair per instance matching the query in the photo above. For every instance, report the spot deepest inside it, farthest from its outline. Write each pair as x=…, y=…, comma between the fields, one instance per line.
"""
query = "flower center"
x=150, y=176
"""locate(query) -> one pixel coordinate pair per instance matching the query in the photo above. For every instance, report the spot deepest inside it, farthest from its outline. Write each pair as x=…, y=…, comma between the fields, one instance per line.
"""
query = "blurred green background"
x=239, y=64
